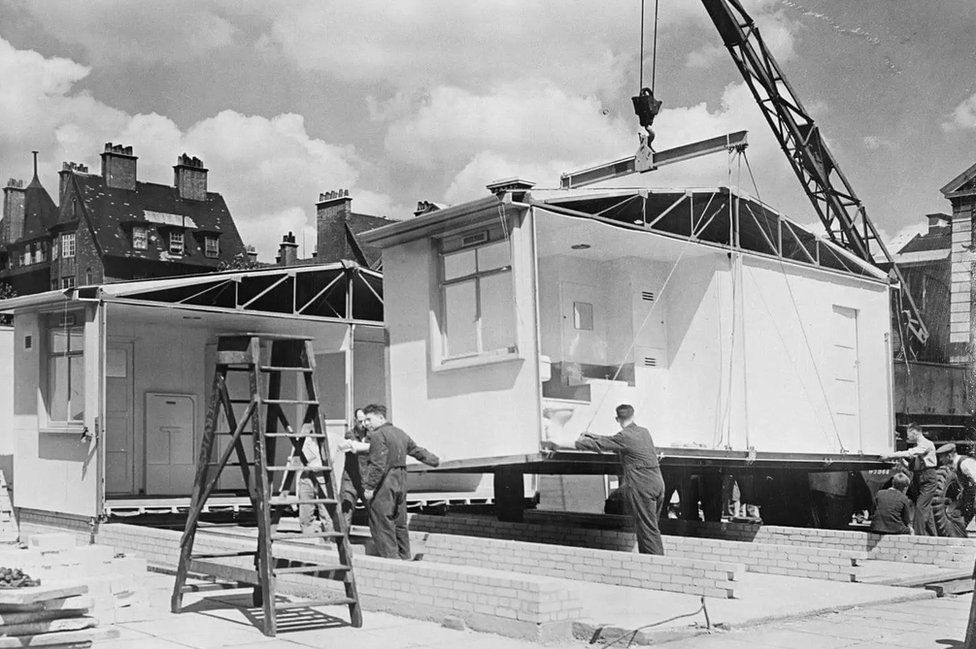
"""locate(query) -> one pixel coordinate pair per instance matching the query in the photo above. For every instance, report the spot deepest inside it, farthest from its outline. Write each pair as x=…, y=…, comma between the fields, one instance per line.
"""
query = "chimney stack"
x=518, y=187
x=938, y=220
x=288, y=251
x=424, y=207
x=190, y=178
x=14, y=210
x=68, y=168
x=331, y=213
x=119, y=166
x=251, y=254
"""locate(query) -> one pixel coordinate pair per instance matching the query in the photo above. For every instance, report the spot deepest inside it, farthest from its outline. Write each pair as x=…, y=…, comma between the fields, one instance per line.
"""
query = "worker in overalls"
x=962, y=509
x=924, y=461
x=356, y=447
x=643, y=484
x=385, y=485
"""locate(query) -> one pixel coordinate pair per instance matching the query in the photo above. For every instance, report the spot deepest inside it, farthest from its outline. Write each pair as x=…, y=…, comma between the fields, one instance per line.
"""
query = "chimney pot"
x=190, y=178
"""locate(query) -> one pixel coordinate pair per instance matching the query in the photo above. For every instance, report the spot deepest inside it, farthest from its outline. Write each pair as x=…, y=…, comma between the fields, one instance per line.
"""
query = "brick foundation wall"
x=837, y=564
x=671, y=574
x=34, y=521
x=522, y=606
x=943, y=552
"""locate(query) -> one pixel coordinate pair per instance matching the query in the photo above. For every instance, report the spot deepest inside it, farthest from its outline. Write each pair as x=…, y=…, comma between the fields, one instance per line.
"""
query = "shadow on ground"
x=300, y=618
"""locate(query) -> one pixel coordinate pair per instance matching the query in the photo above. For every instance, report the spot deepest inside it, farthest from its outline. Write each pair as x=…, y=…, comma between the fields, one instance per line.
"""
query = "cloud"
x=113, y=31
x=963, y=117
x=270, y=170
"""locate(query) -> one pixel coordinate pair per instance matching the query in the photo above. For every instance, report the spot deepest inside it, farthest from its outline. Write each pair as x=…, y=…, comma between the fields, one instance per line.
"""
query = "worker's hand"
x=368, y=494
x=344, y=445
x=308, y=428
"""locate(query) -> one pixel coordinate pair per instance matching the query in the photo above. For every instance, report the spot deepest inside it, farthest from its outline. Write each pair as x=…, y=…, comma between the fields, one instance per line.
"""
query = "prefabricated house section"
x=113, y=381
x=739, y=337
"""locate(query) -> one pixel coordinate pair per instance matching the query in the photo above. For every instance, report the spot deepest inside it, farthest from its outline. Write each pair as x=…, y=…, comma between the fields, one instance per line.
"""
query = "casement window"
x=65, y=372
x=175, y=243
x=211, y=246
x=68, y=245
x=477, y=295
x=68, y=282
x=139, y=237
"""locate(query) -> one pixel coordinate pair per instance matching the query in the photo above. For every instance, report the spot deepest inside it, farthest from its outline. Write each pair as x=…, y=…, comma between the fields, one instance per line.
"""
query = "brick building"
x=112, y=226
x=337, y=230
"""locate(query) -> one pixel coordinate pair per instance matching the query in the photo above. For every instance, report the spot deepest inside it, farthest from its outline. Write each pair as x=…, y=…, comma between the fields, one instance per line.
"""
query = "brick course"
x=516, y=605
x=673, y=574
x=838, y=564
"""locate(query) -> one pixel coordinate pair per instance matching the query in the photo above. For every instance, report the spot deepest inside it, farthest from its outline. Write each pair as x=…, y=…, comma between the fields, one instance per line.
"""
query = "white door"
x=119, y=434
x=845, y=395
x=170, y=448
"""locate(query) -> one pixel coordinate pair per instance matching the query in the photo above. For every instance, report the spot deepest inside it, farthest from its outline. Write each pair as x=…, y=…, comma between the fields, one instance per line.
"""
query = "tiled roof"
x=114, y=211
x=40, y=212
x=936, y=238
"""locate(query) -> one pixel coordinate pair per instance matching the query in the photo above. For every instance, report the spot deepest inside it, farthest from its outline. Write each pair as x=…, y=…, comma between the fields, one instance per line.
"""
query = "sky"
x=409, y=100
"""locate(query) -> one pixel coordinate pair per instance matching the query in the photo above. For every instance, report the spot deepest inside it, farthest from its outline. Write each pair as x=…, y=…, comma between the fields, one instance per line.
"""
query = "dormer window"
x=211, y=246
x=175, y=243
x=139, y=237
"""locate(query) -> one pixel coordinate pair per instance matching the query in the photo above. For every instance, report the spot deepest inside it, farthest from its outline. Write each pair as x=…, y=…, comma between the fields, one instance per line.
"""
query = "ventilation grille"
x=647, y=296
x=474, y=239
x=650, y=361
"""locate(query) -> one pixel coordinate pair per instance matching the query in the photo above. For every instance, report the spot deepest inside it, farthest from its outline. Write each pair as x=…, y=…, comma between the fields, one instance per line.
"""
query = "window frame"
x=172, y=238
x=68, y=252
x=140, y=233
x=73, y=356
x=207, y=251
x=445, y=247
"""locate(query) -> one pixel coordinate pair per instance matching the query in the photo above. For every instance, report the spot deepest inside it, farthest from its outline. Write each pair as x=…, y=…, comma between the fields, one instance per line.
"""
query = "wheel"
x=953, y=505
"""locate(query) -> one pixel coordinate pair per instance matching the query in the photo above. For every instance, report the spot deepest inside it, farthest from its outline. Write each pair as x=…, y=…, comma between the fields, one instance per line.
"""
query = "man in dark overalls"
x=356, y=446
x=922, y=454
x=386, y=483
x=643, y=484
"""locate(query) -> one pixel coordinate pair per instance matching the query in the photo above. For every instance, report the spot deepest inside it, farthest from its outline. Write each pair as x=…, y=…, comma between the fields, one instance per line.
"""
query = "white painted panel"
x=119, y=432
x=170, y=420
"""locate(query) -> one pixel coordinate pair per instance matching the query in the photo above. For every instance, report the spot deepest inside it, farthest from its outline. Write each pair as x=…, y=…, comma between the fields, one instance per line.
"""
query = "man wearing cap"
x=922, y=453
x=643, y=484
x=964, y=506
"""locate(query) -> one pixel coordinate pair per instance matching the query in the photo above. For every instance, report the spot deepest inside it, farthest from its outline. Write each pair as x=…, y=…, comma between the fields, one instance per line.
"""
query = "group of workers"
x=374, y=473
x=916, y=472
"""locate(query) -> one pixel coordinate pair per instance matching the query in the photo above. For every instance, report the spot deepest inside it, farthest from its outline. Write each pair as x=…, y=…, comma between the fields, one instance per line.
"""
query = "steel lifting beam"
x=840, y=210
x=648, y=160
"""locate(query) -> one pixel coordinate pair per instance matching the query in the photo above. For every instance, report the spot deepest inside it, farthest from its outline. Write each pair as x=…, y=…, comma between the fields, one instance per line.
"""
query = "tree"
x=6, y=291
x=240, y=261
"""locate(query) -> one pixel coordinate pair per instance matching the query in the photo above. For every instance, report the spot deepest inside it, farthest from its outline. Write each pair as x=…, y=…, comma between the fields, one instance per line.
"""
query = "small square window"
x=583, y=316
x=176, y=243
x=211, y=247
x=67, y=282
x=139, y=237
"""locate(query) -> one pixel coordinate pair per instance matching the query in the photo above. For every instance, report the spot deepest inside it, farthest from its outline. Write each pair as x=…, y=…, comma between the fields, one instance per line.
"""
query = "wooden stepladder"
x=271, y=357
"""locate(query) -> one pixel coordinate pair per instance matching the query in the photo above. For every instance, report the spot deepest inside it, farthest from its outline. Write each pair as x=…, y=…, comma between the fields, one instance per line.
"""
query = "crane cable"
x=640, y=79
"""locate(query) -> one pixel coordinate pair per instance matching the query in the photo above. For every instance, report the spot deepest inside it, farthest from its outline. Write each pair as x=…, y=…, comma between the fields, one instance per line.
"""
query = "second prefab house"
x=744, y=342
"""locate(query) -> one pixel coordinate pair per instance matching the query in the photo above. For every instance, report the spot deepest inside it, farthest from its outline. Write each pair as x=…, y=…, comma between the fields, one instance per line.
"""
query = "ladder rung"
x=230, y=433
x=230, y=464
x=290, y=402
x=299, y=469
x=285, y=368
x=316, y=602
x=284, y=536
x=302, y=501
x=222, y=571
x=336, y=567
x=220, y=555
x=297, y=435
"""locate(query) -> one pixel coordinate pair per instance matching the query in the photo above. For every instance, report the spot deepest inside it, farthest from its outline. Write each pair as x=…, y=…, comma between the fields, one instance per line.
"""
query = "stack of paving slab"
x=113, y=581
x=49, y=616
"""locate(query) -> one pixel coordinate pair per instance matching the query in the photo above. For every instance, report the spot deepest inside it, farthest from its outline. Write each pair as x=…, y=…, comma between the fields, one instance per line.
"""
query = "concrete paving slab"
x=764, y=598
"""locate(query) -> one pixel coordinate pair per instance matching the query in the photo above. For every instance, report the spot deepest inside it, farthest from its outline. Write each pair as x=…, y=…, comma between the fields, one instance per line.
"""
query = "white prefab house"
x=741, y=339
x=113, y=381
